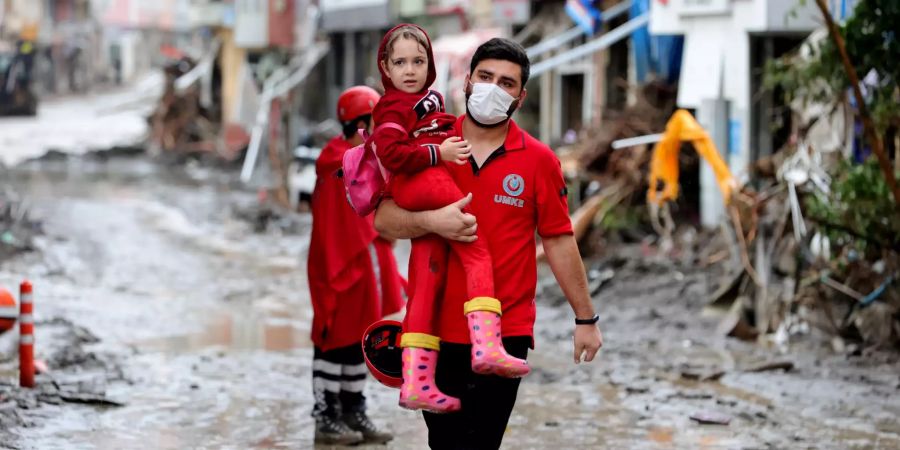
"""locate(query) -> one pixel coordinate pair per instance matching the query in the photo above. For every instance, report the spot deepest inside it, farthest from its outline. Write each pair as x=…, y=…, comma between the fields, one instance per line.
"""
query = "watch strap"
x=590, y=321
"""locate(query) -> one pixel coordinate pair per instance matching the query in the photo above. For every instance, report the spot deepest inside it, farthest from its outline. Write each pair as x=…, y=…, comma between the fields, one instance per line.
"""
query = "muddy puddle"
x=203, y=327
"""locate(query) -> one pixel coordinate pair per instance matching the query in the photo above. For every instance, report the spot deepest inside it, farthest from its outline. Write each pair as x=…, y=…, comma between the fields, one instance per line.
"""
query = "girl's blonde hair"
x=404, y=32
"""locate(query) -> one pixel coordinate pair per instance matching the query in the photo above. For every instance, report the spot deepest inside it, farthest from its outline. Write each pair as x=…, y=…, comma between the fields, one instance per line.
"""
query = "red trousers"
x=430, y=189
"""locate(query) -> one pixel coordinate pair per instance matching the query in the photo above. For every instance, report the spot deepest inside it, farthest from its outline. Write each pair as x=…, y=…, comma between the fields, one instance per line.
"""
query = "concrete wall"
x=251, y=23
x=21, y=16
x=281, y=23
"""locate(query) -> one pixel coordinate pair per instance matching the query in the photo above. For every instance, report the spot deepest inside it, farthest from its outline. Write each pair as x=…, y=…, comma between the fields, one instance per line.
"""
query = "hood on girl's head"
x=382, y=51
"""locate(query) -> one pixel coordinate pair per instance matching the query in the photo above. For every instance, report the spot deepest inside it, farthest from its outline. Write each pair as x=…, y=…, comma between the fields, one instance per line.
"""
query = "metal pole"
x=26, y=336
x=637, y=140
x=278, y=84
x=603, y=42
x=556, y=41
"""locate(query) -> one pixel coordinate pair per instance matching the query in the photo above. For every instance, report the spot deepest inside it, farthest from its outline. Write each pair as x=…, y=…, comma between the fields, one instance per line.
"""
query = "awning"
x=353, y=15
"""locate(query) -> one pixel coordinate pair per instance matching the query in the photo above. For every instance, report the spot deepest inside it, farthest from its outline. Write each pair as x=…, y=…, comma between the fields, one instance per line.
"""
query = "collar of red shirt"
x=515, y=137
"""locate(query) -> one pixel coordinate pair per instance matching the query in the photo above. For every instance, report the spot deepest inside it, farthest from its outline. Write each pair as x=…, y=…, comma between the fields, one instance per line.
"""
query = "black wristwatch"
x=590, y=321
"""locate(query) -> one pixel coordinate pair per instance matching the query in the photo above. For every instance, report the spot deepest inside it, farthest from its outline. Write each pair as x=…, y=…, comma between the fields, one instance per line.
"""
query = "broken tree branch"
x=745, y=256
x=846, y=290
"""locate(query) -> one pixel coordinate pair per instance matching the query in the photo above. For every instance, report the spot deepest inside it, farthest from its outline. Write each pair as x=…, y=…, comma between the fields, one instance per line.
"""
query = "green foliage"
x=860, y=203
x=872, y=39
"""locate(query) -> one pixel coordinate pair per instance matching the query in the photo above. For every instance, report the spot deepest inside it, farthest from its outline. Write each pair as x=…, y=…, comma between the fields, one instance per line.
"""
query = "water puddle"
x=237, y=328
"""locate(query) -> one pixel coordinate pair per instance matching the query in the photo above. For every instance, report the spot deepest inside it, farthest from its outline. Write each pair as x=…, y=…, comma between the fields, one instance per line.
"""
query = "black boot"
x=335, y=432
x=359, y=421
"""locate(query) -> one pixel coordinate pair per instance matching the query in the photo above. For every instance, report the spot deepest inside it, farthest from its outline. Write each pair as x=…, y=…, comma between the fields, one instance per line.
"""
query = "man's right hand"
x=450, y=222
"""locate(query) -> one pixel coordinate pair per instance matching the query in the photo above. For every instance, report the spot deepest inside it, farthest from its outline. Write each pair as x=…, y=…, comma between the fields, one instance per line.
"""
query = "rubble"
x=265, y=214
x=778, y=365
x=75, y=374
x=595, y=156
x=796, y=250
x=811, y=244
x=711, y=418
x=796, y=255
x=17, y=227
x=603, y=181
x=805, y=271
x=182, y=121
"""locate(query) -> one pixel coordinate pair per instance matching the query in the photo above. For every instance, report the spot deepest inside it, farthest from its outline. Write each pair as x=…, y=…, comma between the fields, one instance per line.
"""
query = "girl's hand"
x=456, y=150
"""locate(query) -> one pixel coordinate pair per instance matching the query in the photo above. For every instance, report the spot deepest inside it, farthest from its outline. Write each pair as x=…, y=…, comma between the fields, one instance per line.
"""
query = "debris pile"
x=817, y=252
x=813, y=244
x=802, y=251
x=17, y=228
x=607, y=185
x=187, y=118
x=70, y=374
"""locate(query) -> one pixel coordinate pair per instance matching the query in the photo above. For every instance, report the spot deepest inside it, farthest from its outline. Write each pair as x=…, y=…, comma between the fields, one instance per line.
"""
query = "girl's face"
x=407, y=65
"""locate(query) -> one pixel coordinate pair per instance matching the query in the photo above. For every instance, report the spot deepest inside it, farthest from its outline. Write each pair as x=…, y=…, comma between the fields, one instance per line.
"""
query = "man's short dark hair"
x=503, y=49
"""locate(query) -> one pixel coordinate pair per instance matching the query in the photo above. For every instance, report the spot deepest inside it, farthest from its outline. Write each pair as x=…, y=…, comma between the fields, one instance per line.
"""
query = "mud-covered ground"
x=166, y=322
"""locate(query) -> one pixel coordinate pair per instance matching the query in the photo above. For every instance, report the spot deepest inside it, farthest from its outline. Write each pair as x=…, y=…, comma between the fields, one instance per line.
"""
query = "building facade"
x=727, y=43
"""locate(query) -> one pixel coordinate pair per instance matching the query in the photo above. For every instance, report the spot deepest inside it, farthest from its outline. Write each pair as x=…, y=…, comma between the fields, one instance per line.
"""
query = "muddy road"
x=152, y=292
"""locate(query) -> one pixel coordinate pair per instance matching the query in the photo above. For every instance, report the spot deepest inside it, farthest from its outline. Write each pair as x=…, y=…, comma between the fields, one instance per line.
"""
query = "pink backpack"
x=364, y=176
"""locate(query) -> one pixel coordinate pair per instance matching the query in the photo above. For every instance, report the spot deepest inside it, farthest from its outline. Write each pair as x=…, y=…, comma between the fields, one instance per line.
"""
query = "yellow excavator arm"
x=664, y=163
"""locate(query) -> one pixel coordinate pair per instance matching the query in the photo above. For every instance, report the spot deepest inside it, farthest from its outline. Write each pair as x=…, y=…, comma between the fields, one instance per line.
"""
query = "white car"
x=302, y=174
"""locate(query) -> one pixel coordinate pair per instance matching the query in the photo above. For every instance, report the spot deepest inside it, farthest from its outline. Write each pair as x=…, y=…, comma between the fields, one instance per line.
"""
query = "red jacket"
x=344, y=250
x=422, y=114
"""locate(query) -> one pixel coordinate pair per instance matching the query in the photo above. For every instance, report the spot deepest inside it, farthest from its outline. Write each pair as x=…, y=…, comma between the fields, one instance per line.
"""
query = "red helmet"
x=356, y=101
x=381, y=348
x=9, y=311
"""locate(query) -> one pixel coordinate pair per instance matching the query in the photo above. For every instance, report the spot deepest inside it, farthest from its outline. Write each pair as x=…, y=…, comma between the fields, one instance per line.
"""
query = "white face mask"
x=489, y=104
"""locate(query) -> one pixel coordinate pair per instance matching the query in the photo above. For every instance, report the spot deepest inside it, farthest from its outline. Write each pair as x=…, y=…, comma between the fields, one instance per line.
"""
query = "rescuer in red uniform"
x=353, y=281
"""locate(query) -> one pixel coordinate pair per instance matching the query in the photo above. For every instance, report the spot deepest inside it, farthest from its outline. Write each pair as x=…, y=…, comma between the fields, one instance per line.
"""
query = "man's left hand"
x=588, y=341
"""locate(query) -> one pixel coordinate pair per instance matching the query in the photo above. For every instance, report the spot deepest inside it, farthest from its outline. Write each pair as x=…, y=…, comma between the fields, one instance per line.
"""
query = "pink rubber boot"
x=488, y=354
x=419, y=390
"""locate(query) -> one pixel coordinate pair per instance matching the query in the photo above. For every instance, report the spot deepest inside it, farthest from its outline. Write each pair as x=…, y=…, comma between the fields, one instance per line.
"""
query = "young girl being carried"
x=413, y=139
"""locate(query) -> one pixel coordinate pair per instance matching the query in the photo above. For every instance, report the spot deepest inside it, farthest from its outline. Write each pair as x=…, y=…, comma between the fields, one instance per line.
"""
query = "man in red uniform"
x=353, y=282
x=516, y=189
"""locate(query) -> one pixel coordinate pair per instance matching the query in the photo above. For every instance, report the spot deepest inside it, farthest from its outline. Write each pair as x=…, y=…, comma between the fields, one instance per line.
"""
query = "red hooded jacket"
x=344, y=249
x=421, y=114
